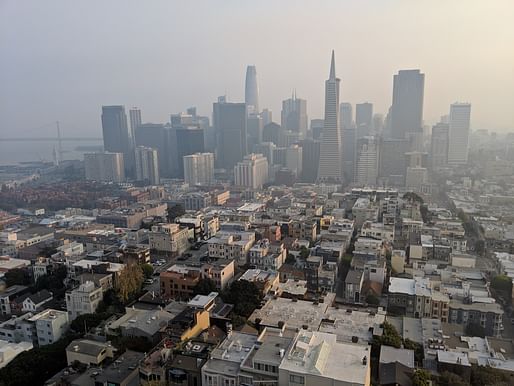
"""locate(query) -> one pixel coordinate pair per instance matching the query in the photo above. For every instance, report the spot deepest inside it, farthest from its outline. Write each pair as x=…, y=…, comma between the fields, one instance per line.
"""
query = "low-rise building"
x=316, y=358
x=50, y=325
x=83, y=300
x=88, y=352
x=231, y=245
x=169, y=238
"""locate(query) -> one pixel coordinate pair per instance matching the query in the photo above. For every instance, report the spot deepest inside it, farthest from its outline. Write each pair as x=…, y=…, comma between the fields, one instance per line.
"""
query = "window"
x=296, y=379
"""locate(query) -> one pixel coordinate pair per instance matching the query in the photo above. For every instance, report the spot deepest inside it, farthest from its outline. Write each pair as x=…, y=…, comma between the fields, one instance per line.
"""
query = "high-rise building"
x=273, y=132
x=294, y=115
x=439, y=146
x=317, y=128
x=147, y=165
x=267, y=117
x=199, y=168
x=407, y=108
x=157, y=136
x=393, y=161
x=254, y=125
x=345, y=116
x=266, y=149
x=190, y=140
x=364, y=119
x=366, y=161
x=310, y=159
x=458, y=134
x=330, y=154
x=230, y=123
x=104, y=167
x=251, y=172
x=294, y=156
x=349, y=142
x=251, y=90
x=135, y=118
x=378, y=124
x=117, y=136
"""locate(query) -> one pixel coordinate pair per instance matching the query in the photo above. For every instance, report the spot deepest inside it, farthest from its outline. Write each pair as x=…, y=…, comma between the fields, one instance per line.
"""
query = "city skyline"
x=163, y=91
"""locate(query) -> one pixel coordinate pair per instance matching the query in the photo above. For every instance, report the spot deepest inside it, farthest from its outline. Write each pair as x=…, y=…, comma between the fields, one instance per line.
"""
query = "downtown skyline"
x=78, y=83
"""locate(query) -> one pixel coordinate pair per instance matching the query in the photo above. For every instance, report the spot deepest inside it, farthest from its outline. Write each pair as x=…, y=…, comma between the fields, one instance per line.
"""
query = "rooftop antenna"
x=59, y=145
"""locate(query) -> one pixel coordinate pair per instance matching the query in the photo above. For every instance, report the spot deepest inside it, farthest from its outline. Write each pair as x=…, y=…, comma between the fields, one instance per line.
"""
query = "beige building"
x=199, y=168
x=104, y=167
x=231, y=245
x=316, y=358
x=83, y=300
x=169, y=238
x=88, y=352
x=252, y=172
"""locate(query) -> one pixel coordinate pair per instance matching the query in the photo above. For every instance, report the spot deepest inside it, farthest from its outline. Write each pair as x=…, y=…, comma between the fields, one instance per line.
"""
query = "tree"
x=502, y=283
x=304, y=252
x=419, y=353
x=244, y=295
x=372, y=299
x=85, y=322
x=475, y=329
x=204, y=287
x=290, y=259
x=413, y=197
x=175, y=211
x=17, y=276
x=421, y=378
x=147, y=270
x=484, y=375
x=450, y=379
x=390, y=337
x=129, y=282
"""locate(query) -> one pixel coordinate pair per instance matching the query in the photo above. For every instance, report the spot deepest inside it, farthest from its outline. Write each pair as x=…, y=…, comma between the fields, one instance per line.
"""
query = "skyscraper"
x=363, y=119
x=458, y=134
x=267, y=116
x=330, y=154
x=135, y=118
x=147, y=165
x=345, y=115
x=157, y=136
x=104, y=167
x=254, y=126
x=310, y=159
x=393, y=161
x=190, y=140
x=366, y=165
x=251, y=172
x=407, y=108
x=294, y=115
x=117, y=136
x=199, y=168
x=230, y=123
x=439, y=145
x=251, y=90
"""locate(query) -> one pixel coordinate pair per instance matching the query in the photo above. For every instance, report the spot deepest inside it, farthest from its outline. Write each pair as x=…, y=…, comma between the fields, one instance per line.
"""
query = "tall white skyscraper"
x=104, y=167
x=199, y=168
x=251, y=90
x=135, y=119
x=345, y=116
x=330, y=163
x=147, y=165
x=458, y=134
x=366, y=166
x=251, y=172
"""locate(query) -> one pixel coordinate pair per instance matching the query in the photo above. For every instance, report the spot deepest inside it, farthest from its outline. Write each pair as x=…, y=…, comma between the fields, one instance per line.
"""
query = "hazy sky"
x=62, y=59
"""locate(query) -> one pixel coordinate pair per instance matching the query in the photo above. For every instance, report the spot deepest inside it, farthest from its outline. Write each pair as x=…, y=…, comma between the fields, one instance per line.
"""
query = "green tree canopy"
x=147, y=270
x=502, y=283
x=17, y=276
x=244, y=295
x=204, y=287
x=421, y=378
